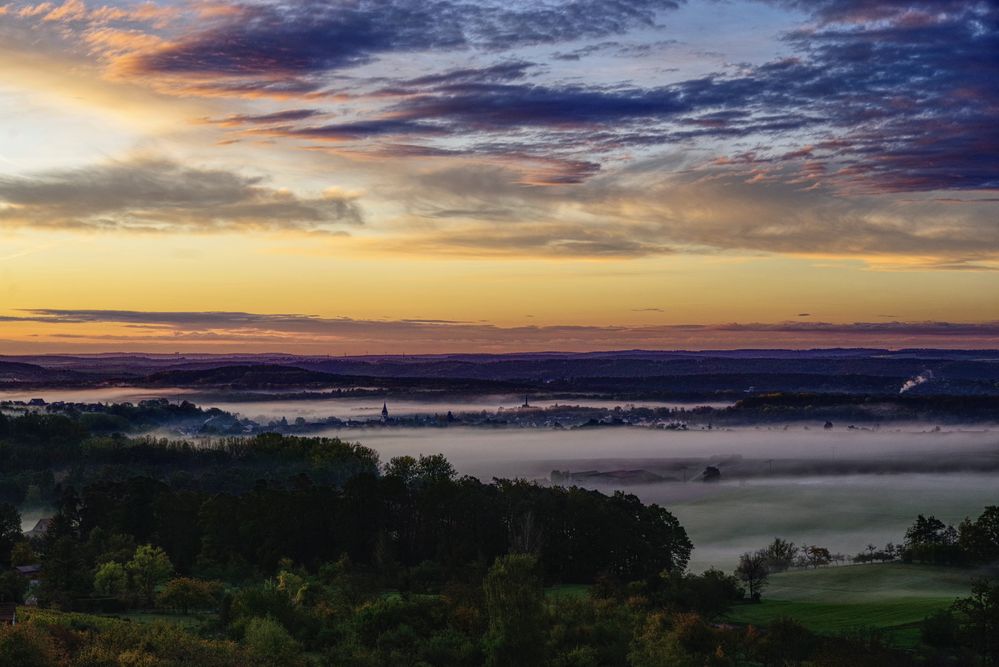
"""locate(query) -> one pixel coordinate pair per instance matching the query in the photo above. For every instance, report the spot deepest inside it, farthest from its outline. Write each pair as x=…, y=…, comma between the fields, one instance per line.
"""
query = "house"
x=8, y=613
x=31, y=572
x=41, y=527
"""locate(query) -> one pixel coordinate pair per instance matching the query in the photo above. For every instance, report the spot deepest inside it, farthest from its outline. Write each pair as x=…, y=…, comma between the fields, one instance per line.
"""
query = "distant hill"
x=241, y=376
x=271, y=376
x=625, y=374
x=21, y=373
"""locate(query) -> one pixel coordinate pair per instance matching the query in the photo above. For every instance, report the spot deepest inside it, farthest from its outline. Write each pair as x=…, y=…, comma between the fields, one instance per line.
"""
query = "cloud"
x=287, y=116
x=864, y=11
x=807, y=153
x=296, y=331
x=314, y=36
x=875, y=99
x=503, y=71
x=159, y=195
x=673, y=204
x=493, y=106
x=360, y=130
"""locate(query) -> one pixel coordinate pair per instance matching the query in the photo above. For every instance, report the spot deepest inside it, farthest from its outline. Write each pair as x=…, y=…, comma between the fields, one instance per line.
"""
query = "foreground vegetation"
x=276, y=550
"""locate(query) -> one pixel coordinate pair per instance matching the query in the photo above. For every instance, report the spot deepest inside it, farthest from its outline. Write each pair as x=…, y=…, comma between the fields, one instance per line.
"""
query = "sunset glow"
x=394, y=176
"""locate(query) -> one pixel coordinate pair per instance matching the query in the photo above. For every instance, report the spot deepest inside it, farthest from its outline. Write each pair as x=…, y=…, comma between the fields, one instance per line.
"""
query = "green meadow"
x=893, y=597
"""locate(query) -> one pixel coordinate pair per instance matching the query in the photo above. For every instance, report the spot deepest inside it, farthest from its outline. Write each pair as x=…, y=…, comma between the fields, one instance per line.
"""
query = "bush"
x=268, y=640
x=27, y=645
x=186, y=594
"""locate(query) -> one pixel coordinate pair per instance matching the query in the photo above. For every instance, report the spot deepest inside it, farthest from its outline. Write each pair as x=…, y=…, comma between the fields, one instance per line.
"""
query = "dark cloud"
x=505, y=71
x=908, y=89
x=288, y=116
x=877, y=97
x=158, y=195
x=313, y=36
x=897, y=101
x=585, y=51
x=279, y=87
x=861, y=11
x=366, y=128
x=484, y=106
x=890, y=95
x=614, y=48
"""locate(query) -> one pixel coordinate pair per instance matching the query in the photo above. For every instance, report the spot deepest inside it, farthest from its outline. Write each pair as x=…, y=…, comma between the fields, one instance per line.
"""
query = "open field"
x=893, y=597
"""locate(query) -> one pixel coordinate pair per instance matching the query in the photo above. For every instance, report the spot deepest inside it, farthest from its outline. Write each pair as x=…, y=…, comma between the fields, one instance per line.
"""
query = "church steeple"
x=384, y=411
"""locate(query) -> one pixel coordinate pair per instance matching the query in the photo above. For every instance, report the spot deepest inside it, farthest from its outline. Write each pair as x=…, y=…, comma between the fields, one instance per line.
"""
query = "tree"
x=514, y=605
x=149, y=567
x=10, y=531
x=185, y=594
x=111, y=580
x=403, y=468
x=269, y=640
x=426, y=469
x=435, y=467
x=13, y=587
x=294, y=585
x=931, y=540
x=23, y=554
x=710, y=594
x=980, y=619
x=681, y=640
x=781, y=554
x=816, y=556
x=754, y=572
x=67, y=573
x=979, y=539
x=925, y=531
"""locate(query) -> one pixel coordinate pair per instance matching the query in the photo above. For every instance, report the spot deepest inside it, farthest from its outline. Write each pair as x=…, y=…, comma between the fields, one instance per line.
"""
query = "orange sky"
x=124, y=187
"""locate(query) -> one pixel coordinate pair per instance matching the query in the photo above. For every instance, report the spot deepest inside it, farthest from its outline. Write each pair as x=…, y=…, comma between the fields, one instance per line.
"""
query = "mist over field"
x=535, y=452
x=93, y=394
x=842, y=489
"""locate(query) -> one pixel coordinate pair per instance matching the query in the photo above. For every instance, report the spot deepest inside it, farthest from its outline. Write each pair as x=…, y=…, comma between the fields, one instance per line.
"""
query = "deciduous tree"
x=148, y=568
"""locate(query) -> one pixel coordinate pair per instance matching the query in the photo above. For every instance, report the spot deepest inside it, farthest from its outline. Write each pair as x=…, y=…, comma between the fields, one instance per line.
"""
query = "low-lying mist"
x=838, y=488
x=742, y=452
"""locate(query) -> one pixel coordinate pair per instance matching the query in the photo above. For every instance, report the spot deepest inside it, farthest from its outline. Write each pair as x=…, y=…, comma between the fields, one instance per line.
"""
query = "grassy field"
x=894, y=597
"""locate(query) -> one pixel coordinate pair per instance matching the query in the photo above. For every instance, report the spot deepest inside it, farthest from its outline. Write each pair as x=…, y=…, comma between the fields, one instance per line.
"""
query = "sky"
x=427, y=176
